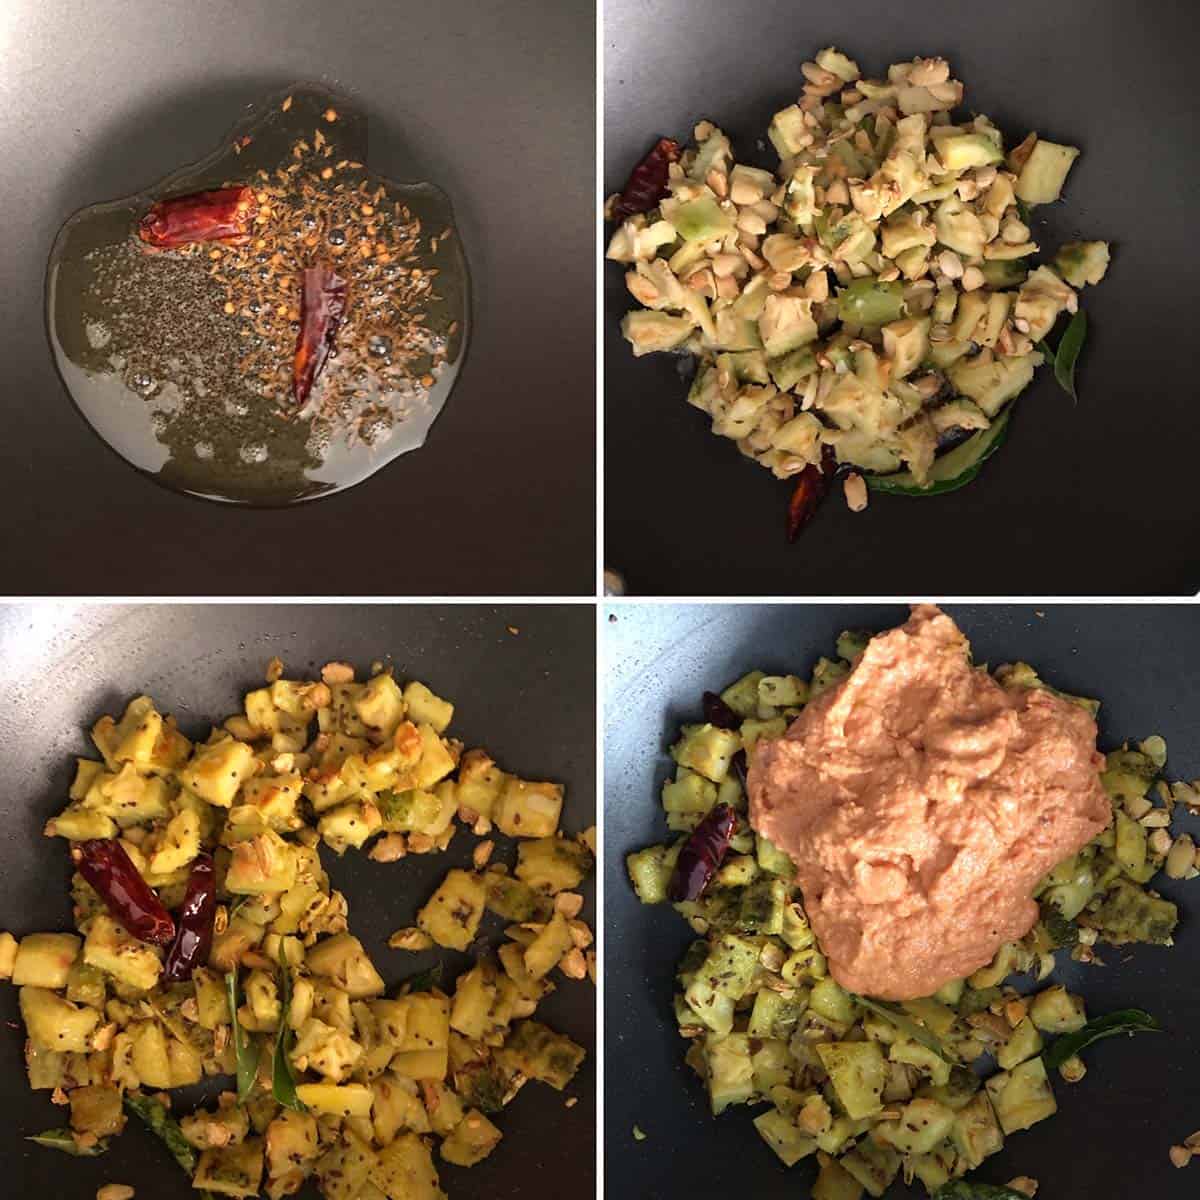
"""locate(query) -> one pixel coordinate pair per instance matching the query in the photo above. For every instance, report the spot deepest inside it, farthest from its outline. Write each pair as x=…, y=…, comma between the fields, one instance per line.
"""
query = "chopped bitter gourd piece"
x=762, y=905
x=56, y=1024
x=730, y=965
x=976, y=1133
x=231, y=1170
x=1044, y=173
x=858, y=1073
x=1128, y=774
x=265, y=863
x=423, y=706
x=1024, y=1042
x=742, y=696
x=44, y=960
x=343, y=960
x=1128, y=914
x=730, y=1070
x=218, y=770
x=344, y=1169
x=515, y=901
x=773, y=860
x=542, y=1054
x=472, y=1140
x=648, y=331
x=1055, y=1010
x=830, y=1000
x=776, y=1014
x=452, y=915
x=707, y=750
x=1022, y=1097
x=688, y=794
x=873, y=1164
x=650, y=871
x=546, y=950
x=405, y=1171
x=553, y=864
x=784, y=1137
x=923, y=1124
x=336, y=1100
x=528, y=810
x=111, y=948
x=1081, y=263
x=834, y=1182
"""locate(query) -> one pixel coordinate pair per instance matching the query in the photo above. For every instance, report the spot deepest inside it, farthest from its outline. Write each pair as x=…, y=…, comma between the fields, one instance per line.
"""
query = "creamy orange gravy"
x=921, y=803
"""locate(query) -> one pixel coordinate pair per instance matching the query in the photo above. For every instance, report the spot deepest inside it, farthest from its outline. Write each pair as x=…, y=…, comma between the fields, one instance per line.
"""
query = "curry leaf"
x=247, y=1060
x=161, y=1123
x=967, y=1189
x=1069, y=346
x=283, y=1082
x=1023, y=211
x=64, y=1140
x=1125, y=1020
x=1067, y=354
x=907, y=1026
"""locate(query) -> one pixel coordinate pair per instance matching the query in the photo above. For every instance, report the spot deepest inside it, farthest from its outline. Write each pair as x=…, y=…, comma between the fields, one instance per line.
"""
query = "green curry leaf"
x=907, y=1026
x=1067, y=354
x=64, y=1140
x=247, y=1060
x=1124, y=1020
x=161, y=1123
x=283, y=1081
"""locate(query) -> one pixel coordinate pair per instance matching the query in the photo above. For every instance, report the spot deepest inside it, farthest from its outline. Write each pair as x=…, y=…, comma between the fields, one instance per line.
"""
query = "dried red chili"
x=702, y=854
x=812, y=485
x=105, y=865
x=193, y=939
x=322, y=306
x=718, y=713
x=647, y=181
x=216, y=216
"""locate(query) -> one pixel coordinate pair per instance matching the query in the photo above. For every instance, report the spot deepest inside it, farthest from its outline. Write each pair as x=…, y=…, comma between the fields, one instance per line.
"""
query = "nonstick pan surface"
x=1093, y=498
x=1112, y=1131
x=492, y=101
x=527, y=696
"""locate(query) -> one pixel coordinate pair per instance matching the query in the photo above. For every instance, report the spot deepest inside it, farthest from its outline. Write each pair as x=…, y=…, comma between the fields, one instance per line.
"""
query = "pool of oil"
x=181, y=359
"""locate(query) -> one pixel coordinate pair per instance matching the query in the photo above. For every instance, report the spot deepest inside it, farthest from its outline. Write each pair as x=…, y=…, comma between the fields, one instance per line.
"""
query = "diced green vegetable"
x=1022, y=1097
x=1044, y=173
x=871, y=302
x=858, y=1073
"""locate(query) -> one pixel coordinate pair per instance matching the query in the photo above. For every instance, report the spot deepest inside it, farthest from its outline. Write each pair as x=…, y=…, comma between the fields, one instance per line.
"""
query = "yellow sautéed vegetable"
x=336, y=1079
x=873, y=1090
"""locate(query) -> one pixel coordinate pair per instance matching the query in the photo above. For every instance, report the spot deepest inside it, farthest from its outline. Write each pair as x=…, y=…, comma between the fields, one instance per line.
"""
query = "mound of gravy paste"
x=921, y=803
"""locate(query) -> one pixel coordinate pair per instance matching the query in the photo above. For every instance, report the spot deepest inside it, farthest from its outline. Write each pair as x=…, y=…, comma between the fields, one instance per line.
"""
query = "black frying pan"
x=1111, y=1134
x=527, y=696
x=492, y=101
x=1093, y=498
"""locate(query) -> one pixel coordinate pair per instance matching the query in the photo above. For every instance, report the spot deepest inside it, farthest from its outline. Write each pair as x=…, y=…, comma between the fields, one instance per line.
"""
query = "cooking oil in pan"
x=182, y=358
